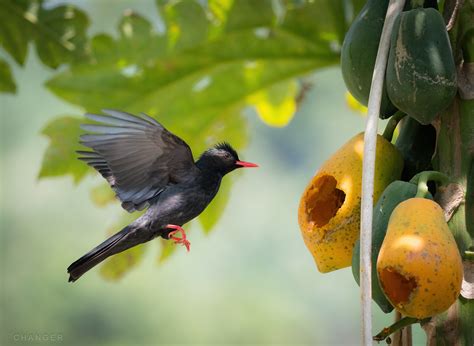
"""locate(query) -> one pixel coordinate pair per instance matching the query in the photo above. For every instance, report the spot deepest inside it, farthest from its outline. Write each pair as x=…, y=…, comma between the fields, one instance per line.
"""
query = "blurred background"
x=248, y=278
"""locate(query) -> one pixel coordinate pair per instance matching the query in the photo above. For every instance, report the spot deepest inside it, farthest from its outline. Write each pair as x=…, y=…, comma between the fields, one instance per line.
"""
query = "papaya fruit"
x=419, y=265
x=421, y=74
x=359, y=51
x=416, y=143
x=329, y=210
x=395, y=193
x=427, y=3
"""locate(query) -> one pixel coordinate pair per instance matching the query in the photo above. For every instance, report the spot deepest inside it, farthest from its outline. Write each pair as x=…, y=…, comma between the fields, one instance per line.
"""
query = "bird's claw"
x=183, y=241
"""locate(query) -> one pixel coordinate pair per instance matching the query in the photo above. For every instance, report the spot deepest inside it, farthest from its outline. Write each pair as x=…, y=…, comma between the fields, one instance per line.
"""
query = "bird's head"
x=223, y=159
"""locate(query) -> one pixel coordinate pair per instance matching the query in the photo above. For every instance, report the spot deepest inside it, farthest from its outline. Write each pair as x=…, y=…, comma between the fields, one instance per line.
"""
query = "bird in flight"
x=149, y=167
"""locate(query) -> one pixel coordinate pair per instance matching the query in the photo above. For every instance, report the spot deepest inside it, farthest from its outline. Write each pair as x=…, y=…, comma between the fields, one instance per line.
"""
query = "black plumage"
x=148, y=166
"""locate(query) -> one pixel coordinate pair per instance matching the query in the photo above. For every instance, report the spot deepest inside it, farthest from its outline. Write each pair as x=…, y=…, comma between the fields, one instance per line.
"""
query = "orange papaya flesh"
x=419, y=265
x=329, y=210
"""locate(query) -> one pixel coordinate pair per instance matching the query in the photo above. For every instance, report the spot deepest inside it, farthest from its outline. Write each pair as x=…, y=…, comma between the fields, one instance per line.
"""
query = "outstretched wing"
x=136, y=155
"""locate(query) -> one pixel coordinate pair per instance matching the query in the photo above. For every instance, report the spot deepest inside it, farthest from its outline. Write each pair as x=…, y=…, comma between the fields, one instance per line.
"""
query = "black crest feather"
x=227, y=147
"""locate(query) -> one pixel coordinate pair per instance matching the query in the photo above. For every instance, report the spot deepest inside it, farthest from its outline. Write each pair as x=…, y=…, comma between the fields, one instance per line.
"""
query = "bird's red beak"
x=245, y=164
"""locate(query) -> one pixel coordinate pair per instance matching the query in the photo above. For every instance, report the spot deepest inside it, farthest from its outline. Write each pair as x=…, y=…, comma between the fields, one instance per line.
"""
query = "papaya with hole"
x=419, y=265
x=395, y=193
x=421, y=73
x=359, y=51
x=329, y=210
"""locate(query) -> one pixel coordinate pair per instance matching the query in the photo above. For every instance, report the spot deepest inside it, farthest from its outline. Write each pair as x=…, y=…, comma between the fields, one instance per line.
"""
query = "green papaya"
x=395, y=193
x=427, y=3
x=421, y=74
x=416, y=143
x=359, y=51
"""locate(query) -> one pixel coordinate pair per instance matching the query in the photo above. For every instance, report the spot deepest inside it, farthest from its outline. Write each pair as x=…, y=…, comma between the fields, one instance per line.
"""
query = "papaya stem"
x=402, y=323
x=392, y=125
x=421, y=179
x=368, y=168
x=469, y=255
x=422, y=187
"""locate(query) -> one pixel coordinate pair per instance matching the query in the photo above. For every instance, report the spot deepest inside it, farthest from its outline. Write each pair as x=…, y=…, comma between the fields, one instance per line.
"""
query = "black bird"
x=148, y=166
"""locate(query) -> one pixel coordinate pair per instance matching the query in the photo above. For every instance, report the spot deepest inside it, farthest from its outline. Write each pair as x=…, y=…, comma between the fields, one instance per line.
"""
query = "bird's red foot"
x=183, y=240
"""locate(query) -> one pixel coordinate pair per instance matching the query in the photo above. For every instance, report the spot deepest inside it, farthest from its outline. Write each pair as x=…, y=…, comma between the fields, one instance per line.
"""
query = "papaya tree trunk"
x=454, y=157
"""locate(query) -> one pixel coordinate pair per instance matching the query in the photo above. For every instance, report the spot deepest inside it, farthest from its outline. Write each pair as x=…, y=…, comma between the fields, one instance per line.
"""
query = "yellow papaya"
x=419, y=265
x=329, y=210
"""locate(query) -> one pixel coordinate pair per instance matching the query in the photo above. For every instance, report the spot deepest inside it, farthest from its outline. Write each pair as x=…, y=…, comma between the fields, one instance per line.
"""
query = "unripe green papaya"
x=359, y=51
x=416, y=143
x=394, y=194
x=421, y=75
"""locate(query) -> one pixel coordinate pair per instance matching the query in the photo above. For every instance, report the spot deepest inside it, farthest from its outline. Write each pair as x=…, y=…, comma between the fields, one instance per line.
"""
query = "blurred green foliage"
x=59, y=33
x=196, y=76
x=6, y=81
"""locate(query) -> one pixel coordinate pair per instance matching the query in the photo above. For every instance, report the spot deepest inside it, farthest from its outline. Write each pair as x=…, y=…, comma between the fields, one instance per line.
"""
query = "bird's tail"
x=119, y=242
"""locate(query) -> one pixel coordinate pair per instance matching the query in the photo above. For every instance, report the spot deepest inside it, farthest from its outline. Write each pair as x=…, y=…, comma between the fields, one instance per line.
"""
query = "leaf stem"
x=370, y=141
x=402, y=323
x=469, y=255
x=392, y=125
x=421, y=179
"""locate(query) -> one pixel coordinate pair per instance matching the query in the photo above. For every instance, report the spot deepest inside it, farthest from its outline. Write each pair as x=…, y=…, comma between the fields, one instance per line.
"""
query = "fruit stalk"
x=375, y=98
x=402, y=323
x=392, y=125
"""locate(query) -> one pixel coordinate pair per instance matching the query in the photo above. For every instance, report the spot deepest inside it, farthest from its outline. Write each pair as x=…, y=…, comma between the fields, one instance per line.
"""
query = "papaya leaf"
x=355, y=7
x=60, y=158
x=14, y=34
x=115, y=267
x=210, y=75
x=167, y=249
x=249, y=14
x=59, y=33
x=6, y=81
x=312, y=21
x=217, y=11
x=186, y=23
x=276, y=105
x=102, y=195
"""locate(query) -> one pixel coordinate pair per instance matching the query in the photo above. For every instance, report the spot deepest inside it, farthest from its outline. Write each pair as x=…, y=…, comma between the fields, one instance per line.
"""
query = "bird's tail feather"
x=113, y=245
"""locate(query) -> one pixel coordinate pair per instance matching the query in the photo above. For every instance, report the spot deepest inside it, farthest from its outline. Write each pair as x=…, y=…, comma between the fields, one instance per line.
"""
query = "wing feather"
x=136, y=154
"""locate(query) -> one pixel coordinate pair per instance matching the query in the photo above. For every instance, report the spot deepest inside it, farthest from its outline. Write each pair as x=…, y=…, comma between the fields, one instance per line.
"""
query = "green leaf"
x=14, y=34
x=276, y=105
x=167, y=249
x=313, y=21
x=6, y=81
x=102, y=195
x=249, y=14
x=338, y=14
x=216, y=75
x=186, y=23
x=60, y=157
x=212, y=213
x=115, y=267
x=59, y=33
